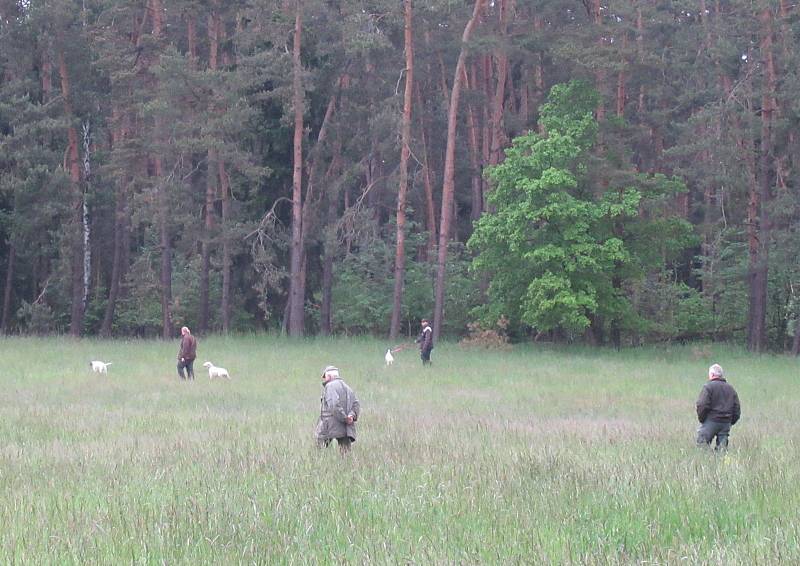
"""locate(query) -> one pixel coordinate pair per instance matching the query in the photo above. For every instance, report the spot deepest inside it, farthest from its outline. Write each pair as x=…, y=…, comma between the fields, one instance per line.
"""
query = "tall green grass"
x=538, y=455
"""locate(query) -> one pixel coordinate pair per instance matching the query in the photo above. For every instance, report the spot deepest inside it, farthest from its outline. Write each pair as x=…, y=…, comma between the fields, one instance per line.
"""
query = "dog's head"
x=207, y=365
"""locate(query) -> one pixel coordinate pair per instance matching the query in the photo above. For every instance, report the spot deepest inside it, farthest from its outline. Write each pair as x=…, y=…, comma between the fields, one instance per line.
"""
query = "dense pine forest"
x=606, y=171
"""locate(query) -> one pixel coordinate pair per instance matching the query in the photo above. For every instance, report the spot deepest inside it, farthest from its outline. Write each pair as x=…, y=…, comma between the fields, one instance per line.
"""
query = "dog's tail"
x=109, y=363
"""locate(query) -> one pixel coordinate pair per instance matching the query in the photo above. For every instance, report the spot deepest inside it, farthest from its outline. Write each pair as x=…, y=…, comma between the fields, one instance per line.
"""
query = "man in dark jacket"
x=717, y=409
x=425, y=341
x=339, y=410
x=187, y=354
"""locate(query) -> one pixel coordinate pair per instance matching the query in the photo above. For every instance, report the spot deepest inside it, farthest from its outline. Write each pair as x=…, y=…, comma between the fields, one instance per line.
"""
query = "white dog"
x=99, y=367
x=214, y=371
x=389, y=357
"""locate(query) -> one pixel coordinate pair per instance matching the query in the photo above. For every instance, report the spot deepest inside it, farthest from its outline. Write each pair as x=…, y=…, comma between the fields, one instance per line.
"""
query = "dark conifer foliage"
x=319, y=167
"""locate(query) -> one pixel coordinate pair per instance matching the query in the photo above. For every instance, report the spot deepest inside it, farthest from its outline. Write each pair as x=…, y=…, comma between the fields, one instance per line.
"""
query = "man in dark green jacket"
x=425, y=341
x=339, y=410
x=718, y=409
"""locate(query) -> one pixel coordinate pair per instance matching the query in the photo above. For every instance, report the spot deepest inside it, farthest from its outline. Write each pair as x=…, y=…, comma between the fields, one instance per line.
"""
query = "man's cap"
x=425, y=320
x=332, y=370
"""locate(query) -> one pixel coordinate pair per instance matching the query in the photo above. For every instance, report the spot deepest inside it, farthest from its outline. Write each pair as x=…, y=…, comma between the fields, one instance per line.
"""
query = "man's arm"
x=355, y=409
x=703, y=404
x=737, y=409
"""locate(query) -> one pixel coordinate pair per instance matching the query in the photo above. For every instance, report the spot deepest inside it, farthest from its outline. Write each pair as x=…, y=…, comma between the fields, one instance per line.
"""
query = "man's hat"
x=332, y=370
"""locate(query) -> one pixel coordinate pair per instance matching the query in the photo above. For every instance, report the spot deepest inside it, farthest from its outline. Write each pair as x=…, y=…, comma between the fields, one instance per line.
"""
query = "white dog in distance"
x=214, y=371
x=99, y=367
x=389, y=357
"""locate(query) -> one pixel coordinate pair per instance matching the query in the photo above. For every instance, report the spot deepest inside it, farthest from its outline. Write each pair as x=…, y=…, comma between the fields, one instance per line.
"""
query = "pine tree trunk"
x=448, y=181
x=326, y=309
x=757, y=340
x=331, y=198
x=212, y=166
x=165, y=244
x=206, y=245
x=599, y=74
x=796, y=341
x=165, y=241
x=75, y=236
x=225, y=189
x=524, y=95
x=9, y=287
x=47, y=76
x=118, y=267
x=191, y=38
x=296, y=285
x=498, y=100
x=474, y=159
x=85, y=222
x=621, y=80
x=538, y=70
x=486, y=137
x=405, y=152
x=427, y=182
x=224, y=184
x=121, y=227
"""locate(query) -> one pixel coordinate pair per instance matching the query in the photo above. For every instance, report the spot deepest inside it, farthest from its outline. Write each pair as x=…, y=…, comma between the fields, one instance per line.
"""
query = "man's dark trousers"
x=189, y=369
x=709, y=429
x=426, y=356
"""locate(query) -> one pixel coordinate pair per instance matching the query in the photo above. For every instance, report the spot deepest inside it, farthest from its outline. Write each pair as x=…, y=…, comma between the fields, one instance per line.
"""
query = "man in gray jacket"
x=718, y=409
x=338, y=411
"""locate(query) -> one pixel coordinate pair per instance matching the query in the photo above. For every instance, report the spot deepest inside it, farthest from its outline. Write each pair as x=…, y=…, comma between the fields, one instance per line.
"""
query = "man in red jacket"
x=718, y=409
x=187, y=353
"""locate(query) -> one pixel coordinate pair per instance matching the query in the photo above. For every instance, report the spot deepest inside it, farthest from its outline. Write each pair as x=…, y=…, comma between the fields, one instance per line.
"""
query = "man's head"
x=329, y=373
x=425, y=322
x=185, y=331
x=715, y=372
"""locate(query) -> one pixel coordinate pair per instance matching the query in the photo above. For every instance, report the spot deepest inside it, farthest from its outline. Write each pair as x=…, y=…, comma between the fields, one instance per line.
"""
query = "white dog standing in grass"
x=99, y=367
x=214, y=371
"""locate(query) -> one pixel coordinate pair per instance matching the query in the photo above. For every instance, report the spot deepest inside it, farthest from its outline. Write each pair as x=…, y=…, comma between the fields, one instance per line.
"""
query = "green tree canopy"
x=558, y=248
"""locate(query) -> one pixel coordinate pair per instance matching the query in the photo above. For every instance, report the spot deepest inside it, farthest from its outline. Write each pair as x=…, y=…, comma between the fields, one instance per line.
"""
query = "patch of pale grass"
x=537, y=455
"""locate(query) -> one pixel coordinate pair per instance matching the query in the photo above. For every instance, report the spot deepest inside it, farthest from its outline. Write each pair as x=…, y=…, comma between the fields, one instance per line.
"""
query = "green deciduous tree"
x=559, y=249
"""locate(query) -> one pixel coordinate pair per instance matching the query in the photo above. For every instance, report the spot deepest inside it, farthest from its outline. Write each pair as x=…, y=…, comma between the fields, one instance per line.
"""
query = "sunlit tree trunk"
x=448, y=181
x=405, y=152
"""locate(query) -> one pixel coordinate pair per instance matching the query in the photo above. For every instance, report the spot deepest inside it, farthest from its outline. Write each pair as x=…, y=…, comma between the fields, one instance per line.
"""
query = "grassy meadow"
x=535, y=456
